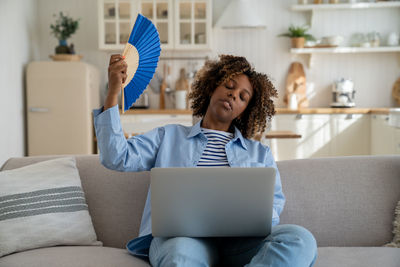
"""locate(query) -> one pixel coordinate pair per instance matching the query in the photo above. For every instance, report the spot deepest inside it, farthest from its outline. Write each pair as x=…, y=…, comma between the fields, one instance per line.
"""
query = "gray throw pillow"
x=43, y=205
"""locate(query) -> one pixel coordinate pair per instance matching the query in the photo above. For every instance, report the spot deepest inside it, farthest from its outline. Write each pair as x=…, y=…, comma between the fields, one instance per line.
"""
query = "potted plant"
x=298, y=35
x=63, y=28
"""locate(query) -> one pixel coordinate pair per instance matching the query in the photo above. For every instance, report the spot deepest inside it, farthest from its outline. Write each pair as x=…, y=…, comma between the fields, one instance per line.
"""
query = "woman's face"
x=230, y=99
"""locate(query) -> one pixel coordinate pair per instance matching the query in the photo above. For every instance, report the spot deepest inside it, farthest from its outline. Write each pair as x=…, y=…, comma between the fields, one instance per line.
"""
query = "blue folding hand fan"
x=142, y=53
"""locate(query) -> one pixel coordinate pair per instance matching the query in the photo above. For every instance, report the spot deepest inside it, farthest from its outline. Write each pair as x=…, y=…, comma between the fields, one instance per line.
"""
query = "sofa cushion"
x=115, y=199
x=357, y=256
x=81, y=256
x=343, y=201
x=73, y=256
x=43, y=205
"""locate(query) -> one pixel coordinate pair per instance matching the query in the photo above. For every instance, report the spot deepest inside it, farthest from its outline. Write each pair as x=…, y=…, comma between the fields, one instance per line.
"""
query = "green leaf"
x=64, y=26
x=298, y=31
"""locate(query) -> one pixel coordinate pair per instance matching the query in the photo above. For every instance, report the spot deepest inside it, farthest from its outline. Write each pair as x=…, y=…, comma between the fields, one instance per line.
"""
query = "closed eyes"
x=242, y=97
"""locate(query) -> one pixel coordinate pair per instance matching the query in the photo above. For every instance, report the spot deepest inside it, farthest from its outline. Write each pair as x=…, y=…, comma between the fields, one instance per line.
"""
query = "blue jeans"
x=287, y=245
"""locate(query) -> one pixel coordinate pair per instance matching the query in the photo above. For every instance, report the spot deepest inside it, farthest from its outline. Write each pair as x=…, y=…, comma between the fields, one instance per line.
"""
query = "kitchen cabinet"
x=141, y=123
x=396, y=140
x=182, y=24
x=323, y=135
x=115, y=20
x=315, y=140
x=385, y=139
x=192, y=24
x=159, y=12
x=324, y=132
x=350, y=134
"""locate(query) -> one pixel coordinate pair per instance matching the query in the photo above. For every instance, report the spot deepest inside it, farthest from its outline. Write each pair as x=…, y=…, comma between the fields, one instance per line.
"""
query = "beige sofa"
x=347, y=203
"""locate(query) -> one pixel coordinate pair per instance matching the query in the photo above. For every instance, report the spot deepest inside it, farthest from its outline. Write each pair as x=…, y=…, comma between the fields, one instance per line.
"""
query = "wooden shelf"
x=309, y=52
x=311, y=7
x=282, y=134
x=338, y=50
x=276, y=134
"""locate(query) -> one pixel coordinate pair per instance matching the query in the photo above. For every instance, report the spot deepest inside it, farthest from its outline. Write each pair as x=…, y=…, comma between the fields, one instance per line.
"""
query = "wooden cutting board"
x=396, y=91
x=296, y=84
x=163, y=87
x=182, y=83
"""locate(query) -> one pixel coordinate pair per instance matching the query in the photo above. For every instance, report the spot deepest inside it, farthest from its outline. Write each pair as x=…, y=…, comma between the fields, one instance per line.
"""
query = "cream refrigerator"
x=60, y=98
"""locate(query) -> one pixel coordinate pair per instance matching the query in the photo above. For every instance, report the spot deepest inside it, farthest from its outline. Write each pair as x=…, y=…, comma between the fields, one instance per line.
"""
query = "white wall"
x=25, y=36
x=18, y=46
x=85, y=39
x=373, y=74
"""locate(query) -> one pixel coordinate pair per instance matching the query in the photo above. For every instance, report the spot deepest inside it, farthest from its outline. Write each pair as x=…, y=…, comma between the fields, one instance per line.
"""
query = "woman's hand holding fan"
x=117, y=70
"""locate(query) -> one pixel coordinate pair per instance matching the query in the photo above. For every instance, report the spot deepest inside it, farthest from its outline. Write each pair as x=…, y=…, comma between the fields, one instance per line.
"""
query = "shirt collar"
x=196, y=130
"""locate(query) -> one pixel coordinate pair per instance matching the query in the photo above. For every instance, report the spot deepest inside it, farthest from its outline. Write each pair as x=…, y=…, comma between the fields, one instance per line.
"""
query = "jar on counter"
x=292, y=102
x=374, y=38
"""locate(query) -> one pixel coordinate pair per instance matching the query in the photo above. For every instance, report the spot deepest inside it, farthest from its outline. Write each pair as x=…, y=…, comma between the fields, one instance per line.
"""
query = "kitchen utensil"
x=334, y=40
x=374, y=38
x=296, y=83
x=142, y=52
x=394, y=117
x=155, y=83
x=356, y=39
x=180, y=99
x=366, y=44
x=142, y=101
x=393, y=39
x=169, y=91
x=182, y=82
x=396, y=91
x=163, y=87
x=292, y=102
x=182, y=87
x=343, y=93
x=169, y=77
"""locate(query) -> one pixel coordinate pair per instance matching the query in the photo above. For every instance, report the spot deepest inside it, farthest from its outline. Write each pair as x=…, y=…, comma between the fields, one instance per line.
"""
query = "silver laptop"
x=212, y=202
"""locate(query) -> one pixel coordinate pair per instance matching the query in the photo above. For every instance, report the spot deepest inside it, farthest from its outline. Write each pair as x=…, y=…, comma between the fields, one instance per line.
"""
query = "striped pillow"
x=43, y=205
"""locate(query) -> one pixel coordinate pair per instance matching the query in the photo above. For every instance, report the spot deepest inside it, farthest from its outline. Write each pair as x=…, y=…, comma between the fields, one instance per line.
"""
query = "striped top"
x=214, y=155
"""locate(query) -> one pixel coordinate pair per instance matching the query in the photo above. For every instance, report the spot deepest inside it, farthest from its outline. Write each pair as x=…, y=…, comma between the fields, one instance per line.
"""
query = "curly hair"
x=259, y=111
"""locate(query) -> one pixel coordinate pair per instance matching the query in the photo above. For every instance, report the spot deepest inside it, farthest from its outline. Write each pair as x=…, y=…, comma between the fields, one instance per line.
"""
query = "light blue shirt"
x=173, y=146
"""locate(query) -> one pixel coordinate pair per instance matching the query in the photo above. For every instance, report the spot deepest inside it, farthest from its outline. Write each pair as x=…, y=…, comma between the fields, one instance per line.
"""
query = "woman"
x=234, y=102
